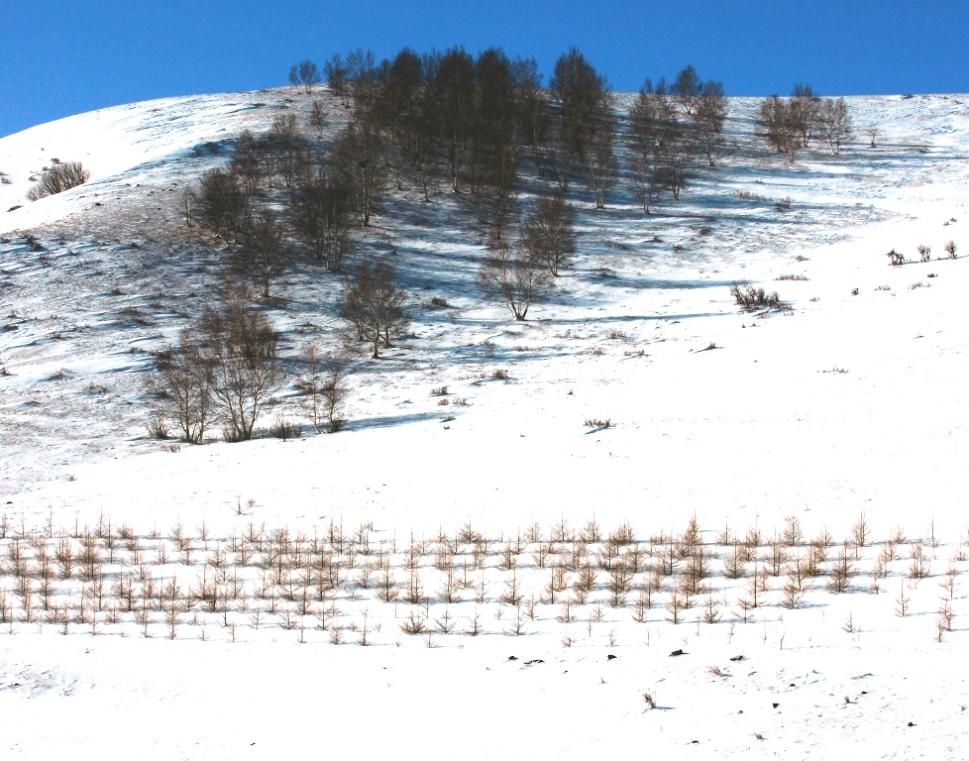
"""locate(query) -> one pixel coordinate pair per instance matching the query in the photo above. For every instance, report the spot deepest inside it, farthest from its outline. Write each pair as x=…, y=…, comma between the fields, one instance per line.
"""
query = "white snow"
x=844, y=405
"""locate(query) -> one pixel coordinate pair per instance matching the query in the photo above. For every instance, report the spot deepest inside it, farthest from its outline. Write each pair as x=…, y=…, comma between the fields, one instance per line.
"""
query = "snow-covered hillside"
x=849, y=403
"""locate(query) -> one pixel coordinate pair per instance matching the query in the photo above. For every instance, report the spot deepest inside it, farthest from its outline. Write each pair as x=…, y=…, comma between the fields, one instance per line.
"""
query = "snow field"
x=852, y=402
x=563, y=639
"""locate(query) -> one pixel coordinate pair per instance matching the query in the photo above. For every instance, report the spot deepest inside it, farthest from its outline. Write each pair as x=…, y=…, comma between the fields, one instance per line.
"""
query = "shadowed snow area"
x=852, y=401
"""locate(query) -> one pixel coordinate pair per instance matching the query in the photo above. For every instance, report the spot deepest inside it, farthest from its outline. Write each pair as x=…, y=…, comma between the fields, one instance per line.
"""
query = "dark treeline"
x=452, y=119
x=470, y=124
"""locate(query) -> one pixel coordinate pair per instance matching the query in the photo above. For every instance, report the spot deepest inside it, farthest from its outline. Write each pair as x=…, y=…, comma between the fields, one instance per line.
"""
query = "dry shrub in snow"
x=59, y=178
x=284, y=429
x=750, y=298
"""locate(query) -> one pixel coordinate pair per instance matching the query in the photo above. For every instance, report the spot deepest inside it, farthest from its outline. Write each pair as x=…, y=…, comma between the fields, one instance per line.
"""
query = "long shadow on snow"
x=629, y=318
x=632, y=283
x=389, y=421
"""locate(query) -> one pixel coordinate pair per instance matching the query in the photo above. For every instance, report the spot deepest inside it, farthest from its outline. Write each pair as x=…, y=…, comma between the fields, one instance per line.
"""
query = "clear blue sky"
x=60, y=57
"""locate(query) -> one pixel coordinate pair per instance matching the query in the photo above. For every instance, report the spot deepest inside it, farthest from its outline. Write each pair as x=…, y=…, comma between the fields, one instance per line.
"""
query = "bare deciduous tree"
x=454, y=83
x=185, y=381
x=687, y=89
x=242, y=346
x=603, y=167
x=220, y=204
x=803, y=108
x=326, y=389
x=778, y=121
x=788, y=123
x=649, y=120
x=247, y=162
x=262, y=254
x=532, y=107
x=549, y=232
x=336, y=78
x=357, y=153
x=834, y=122
x=708, y=119
x=516, y=278
x=287, y=147
x=494, y=150
x=318, y=119
x=320, y=209
x=580, y=96
x=373, y=305
x=304, y=75
x=675, y=154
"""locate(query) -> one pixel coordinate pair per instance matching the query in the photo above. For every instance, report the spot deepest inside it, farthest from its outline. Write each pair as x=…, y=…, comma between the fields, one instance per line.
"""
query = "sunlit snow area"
x=522, y=521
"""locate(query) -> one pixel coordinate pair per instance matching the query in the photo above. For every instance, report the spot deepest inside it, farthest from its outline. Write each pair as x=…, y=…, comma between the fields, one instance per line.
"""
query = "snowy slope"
x=849, y=403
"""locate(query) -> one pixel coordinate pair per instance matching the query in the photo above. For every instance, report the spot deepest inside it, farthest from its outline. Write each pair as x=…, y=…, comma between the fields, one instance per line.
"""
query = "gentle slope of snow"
x=849, y=403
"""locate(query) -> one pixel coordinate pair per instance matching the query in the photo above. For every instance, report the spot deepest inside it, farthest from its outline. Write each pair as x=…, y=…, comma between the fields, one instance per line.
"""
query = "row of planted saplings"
x=106, y=576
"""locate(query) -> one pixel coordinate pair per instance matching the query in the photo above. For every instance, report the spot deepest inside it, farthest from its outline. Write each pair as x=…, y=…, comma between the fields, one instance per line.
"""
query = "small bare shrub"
x=518, y=279
x=950, y=249
x=860, y=532
x=793, y=588
x=414, y=624
x=284, y=429
x=158, y=428
x=919, y=567
x=902, y=601
x=751, y=299
x=895, y=259
x=59, y=178
x=925, y=253
x=326, y=389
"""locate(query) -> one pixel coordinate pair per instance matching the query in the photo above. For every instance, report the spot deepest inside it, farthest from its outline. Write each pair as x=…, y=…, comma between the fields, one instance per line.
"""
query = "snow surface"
x=845, y=404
